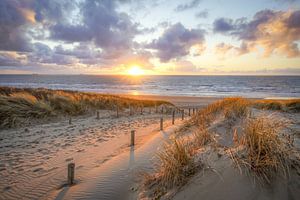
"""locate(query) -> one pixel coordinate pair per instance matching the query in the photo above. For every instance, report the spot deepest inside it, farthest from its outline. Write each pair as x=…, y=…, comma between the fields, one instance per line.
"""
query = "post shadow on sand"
x=164, y=134
x=62, y=193
x=131, y=157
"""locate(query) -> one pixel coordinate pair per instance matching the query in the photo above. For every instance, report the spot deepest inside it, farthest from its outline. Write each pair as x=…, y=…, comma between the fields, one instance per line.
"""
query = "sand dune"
x=34, y=158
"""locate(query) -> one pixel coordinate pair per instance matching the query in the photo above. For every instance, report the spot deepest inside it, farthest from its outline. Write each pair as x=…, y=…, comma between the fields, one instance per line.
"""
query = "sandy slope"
x=119, y=177
x=33, y=159
x=222, y=181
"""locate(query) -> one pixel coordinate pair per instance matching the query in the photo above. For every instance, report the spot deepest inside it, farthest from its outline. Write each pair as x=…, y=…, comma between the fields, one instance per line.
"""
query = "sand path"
x=33, y=160
x=118, y=178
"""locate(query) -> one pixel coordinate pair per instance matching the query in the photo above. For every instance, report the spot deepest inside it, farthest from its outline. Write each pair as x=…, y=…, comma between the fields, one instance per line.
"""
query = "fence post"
x=130, y=110
x=132, y=138
x=182, y=114
x=173, y=117
x=117, y=111
x=189, y=111
x=142, y=109
x=193, y=111
x=70, y=120
x=71, y=172
x=98, y=116
x=162, y=110
x=161, y=123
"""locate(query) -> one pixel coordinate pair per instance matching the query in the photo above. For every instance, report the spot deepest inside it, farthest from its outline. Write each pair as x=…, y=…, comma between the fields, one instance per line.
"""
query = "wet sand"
x=33, y=159
x=181, y=101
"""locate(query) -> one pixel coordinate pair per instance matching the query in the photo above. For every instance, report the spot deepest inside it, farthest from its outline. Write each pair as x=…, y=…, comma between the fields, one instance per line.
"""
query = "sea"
x=210, y=86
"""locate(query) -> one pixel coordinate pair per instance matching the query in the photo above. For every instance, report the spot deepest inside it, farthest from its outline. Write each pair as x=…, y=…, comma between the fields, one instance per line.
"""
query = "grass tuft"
x=292, y=105
x=264, y=152
x=18, y=105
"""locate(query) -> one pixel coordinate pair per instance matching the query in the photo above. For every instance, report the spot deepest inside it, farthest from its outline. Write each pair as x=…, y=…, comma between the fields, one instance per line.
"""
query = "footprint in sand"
x=68, y=159
x=38, y=169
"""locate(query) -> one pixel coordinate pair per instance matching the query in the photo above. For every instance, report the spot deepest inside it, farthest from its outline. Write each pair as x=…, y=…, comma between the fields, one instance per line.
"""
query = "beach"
x=149, y=100
x=34, y=158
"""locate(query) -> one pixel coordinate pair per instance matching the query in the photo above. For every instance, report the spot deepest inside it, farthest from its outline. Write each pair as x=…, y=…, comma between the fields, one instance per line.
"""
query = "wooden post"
x=182, y=114
x=189, y=111
x=193, y=111
x=162, y=110
x=130, y=110
x=161, y=124
x=132, y=138
x=117, y=111
x=70, y=120
x=71, y=172
x=173, y=117
x=142, y=109
x=98, y=116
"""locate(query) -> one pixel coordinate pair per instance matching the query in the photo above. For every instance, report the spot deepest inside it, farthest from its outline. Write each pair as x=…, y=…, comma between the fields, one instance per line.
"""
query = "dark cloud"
x=11, y=59
x=70, y=33
x=100, y=33
x=176, y=42
x=45, y=55
x=187, y=6
x=275, y=31
x=53, y=10
x=294, y=20
x=102, y=25
x=222, y=25
x=202, y=14
x=12, y=24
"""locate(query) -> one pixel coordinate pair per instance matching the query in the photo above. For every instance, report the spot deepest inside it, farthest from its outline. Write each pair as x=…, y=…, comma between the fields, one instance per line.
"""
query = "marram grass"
x=19, y=105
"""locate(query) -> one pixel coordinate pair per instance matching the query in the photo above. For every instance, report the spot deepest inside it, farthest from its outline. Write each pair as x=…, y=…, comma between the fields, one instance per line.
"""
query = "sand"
x=181, y=101
x=221, y=180
x=33, y=159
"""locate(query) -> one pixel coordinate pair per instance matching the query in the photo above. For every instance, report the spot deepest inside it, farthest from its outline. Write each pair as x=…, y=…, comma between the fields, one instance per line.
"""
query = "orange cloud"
x=274, y=31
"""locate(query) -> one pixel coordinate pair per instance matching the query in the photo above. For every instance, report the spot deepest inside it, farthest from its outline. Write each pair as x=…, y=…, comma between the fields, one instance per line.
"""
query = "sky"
x=164, y=37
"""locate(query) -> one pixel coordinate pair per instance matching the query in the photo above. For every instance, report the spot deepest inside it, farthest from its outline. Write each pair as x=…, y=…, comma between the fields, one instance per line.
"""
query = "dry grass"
x=202, y=137
x=263, y=151
x=20, y=105
x=232, y=108
x=292, y=105
x=176, y=165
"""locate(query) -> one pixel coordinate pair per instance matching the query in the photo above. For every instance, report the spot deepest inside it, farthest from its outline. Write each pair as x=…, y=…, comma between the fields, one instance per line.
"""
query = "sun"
x=135, y=71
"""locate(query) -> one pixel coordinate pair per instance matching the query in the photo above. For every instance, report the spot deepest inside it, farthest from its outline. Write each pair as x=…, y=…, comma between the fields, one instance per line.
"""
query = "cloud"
x=187, y=6
x=176, y=42
x=12, y=25
x=202, y=14
x=12, y=59
x=223, y=25
x=274, y=31
x=223, y=48
x=101, y=24
x=93, y=31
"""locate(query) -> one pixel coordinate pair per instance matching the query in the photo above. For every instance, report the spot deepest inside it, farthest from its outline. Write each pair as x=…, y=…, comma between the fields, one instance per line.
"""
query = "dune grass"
x=292, y=105
x=175, y=165
x=232, y=108
x=263, y=152
x=19, y=105
x=260, y=150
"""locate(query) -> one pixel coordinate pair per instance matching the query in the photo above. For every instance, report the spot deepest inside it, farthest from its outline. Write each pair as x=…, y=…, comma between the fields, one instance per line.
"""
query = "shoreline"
x=152, y=96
